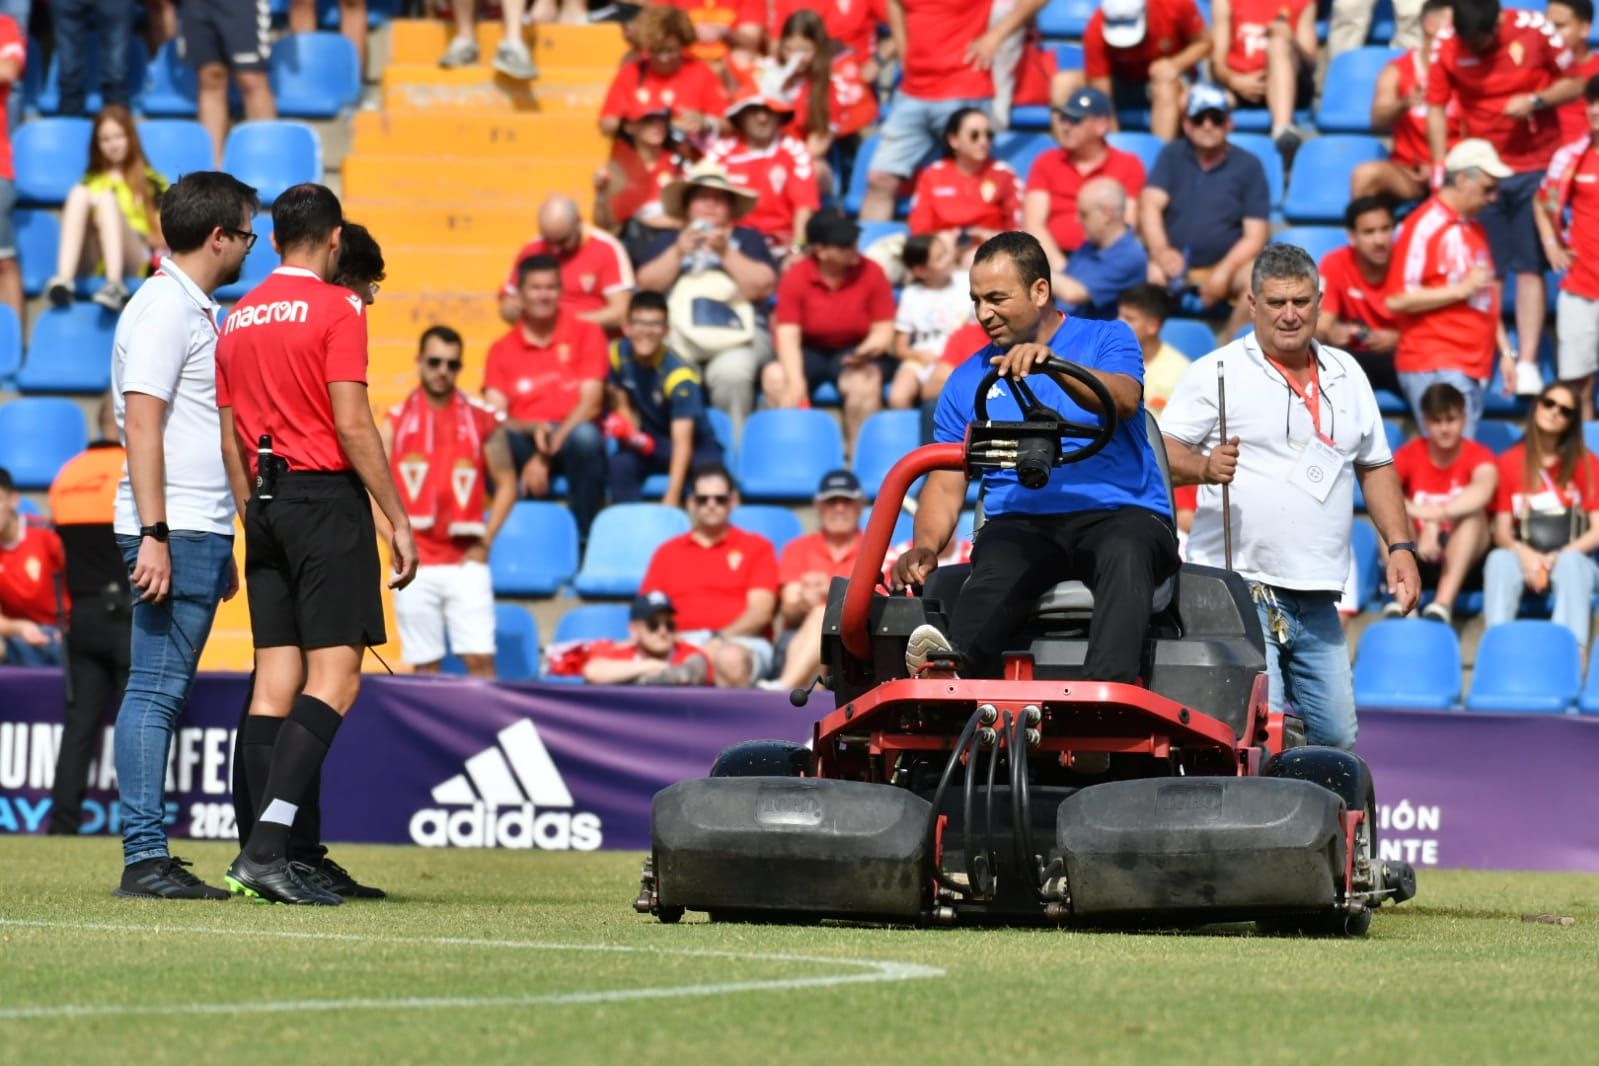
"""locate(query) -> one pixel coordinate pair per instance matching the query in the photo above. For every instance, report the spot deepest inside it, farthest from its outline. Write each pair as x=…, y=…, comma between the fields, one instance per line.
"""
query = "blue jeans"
x=581, y=461
x=1308, y=666
x=627, y=469
x=1414, y=384
x=20, y=653
x=113, y=19
x=167, y=640
x=913, y=133
x=1572, y=580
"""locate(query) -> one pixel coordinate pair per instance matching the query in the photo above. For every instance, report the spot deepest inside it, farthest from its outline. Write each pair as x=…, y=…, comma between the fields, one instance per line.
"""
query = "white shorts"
x=760, y=649
x=458, y=598
x=1577, y=326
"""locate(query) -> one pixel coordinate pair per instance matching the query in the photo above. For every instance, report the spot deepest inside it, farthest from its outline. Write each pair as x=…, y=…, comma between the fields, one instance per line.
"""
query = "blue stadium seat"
x=536, y=551
x=1391, y=403
x=170, y=86
x=10, y=343
x=47, y=97
x=1351, y=81
x=592, y=621
x=1590, y=436
x=1319, y=189
x=51, y=155
x=1368, y=562
x=1021, y=149
x=872, y=232
x=1146, y=146
x=1261, y=147
x=1499, y=437
x=272, y=155
x=1588, y=702
x=855, y=195
x=621, y=541
x=784, y=453
x=175, y=146
x=38, y=236
x=886, y=438
x=1317, y=240
x=314, y=75
x=262, y=260
x=777, y=524
x=1526, y=666
x=1190, y=336
x=1065, y=18
x=69, y=351
x=722, y=430
x=1408, y=664
x=1395, y=432
x=38, y=434
x=516, y=646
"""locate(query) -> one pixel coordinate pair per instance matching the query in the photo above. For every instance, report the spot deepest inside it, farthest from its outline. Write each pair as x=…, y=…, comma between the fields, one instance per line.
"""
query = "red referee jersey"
x=281, y=346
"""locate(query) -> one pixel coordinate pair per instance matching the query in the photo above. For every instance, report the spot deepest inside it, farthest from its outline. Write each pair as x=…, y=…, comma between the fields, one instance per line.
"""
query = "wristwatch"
x=159, y=531
x=1402, y=546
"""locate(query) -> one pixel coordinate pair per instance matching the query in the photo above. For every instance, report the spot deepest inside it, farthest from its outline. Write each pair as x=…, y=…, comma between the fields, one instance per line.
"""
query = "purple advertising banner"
x=455, y=763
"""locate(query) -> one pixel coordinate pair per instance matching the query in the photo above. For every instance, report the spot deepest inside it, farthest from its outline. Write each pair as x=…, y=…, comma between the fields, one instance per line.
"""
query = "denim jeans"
x=913, y=133
x=1308, y=665
x=581, y=461
x=113, y=20
x=167, y=640
x=1473, y=389
x=1572, y=580
x=19, y=652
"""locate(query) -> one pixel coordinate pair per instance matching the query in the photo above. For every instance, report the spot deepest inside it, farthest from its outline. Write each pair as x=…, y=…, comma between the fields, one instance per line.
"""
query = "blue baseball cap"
x=1086, y=103
x=1203, y=96
x=649, y=605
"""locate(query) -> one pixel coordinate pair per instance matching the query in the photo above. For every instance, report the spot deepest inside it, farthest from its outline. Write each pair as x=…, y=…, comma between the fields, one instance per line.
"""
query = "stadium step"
x=480, y=89
x=420, y=42
x=479, y=136
x=434, y=224
x=404, y=316
x=428, y=179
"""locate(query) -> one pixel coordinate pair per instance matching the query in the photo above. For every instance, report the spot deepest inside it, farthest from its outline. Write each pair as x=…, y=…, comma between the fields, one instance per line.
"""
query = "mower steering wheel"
x=1098, y=435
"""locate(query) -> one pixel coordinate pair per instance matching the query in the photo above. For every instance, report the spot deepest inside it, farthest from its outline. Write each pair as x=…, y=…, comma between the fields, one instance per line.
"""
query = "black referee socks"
x=303, y=742
x=257, y=737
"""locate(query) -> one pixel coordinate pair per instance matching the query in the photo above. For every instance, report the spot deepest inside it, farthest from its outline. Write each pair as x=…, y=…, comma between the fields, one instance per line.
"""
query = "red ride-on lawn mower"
x=1042, y=796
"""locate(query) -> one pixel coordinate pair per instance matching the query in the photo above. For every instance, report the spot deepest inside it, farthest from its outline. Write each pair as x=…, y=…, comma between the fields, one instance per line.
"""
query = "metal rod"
x=1226, y=494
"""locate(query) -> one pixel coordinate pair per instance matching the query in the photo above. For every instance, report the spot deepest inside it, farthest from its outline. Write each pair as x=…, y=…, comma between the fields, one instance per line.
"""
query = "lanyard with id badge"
x=1319, y=463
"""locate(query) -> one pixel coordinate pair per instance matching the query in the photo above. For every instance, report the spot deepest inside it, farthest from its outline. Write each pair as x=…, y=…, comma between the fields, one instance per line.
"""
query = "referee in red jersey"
x=291, y=385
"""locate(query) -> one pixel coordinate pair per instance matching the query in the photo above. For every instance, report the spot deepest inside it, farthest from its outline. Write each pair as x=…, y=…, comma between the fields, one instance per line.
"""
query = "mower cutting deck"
x=1039, y=797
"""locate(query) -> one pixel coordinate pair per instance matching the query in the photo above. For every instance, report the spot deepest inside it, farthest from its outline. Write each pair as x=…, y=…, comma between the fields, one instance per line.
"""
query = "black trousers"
x=1120, y=554
x=98, y=645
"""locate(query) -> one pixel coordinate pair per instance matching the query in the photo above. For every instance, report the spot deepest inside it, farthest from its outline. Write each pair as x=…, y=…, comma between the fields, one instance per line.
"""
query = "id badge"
x=1317, y=469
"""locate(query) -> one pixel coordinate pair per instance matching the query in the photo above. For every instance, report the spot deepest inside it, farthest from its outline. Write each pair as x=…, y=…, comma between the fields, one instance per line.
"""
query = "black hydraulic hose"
x=968, y=828
x=1021, y=807
x=938, y=801
x=988, y=800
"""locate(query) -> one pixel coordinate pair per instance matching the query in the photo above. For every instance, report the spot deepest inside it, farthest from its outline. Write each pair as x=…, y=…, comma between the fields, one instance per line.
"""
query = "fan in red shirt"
x=645, y=158
x=662, y=76
x=722, y=580
x=1356, y=281
x=1447, y=298
x=968, y=194
x=652, y=653
x=1573, y=20
x=1264, y=53
x=596, y=274
x=33, y=594
x=809, y=565
x=771, y=164
x=1568, y=223
x=547, y=375
x=13, y=58
x=1138, y=52
x=1399, y=107
x=1448, y=482
x=1049, y=209
x=853, y=23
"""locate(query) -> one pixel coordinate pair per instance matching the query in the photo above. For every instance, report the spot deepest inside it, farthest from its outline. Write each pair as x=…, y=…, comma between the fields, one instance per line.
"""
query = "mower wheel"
x=669, y=915
x=1342, y=772
x=1333, y=925
x=763, y=758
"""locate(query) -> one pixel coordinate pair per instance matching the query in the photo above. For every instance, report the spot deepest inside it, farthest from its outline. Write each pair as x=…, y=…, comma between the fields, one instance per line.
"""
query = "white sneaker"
x=1529, y=379
x=512, y=60
x=461, y=53
x=1391, y=609
x=1436, y=612
x=926, y=641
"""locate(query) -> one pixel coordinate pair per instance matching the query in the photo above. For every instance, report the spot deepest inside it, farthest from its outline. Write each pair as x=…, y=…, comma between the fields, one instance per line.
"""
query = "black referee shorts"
x=311, y=564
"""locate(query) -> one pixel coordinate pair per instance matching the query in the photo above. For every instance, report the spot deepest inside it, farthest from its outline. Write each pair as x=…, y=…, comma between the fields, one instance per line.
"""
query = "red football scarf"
x=437, y=462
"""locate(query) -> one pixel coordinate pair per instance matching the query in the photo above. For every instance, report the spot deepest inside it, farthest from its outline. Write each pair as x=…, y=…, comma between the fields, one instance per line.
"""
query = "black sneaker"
x=164, y=878
x=329, y=875
x=276, y=882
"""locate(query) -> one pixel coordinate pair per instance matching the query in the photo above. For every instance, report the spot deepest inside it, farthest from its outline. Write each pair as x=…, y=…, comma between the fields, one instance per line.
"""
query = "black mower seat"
x=1074, y=597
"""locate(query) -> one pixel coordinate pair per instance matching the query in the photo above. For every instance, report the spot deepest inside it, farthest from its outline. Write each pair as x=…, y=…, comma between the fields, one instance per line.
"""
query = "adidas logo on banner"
x=502, y=800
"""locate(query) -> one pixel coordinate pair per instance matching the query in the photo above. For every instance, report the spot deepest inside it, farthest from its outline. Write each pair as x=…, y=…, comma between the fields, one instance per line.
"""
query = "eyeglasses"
x=1549, y=403
x=244, y=235
x=373, y=287
x=661, y=623
x=434, y=362
x=1211, y=117
x=719, y=499
x=1489, y=187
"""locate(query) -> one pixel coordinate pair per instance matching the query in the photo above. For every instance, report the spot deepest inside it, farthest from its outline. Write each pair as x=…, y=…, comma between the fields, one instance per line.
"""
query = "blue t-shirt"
x=661, y=392
x=1106, y=273
x=1205, y=216
x=1124, y=474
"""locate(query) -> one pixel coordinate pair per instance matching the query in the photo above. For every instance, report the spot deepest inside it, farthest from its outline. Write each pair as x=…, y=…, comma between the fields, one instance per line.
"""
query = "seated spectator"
x=1399, y=107
x=771, y=164
x=658, y=408
x=1448, y=482
x=1264, y=54
x=722, y=580
x=935, y=304
x=217, y=37
x=663, y=77
x=1057, y=177
x=547, y=376
x=13, y=57
x=360, y=266
x=1140, y=54
x=1356, y=281
x=33, y=595
x=1206, y=211
x=652, y=654
x=851, y=23
x=511, y=58
x=1573, y=20
x=352, y=23
x=72, y=21
x=1110, y=258
x=835, y=323
x=1145, y=309
x=645, y=158
x=1567, y=216
x=806, y=571
x=445, y=452
x=1546, y=518
x=596, y=276
x=1349, y=24
x=111, y=221
x=968, y=195
x=717, y=276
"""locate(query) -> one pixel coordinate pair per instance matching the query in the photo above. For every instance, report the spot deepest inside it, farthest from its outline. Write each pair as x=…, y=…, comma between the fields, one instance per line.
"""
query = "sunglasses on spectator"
x=980, y=135
x=1211, y=117
x=244, y=235
x=1066, y=116
x=1549, y=403
x=434, y=362
x=661, y=622
x=720, y=499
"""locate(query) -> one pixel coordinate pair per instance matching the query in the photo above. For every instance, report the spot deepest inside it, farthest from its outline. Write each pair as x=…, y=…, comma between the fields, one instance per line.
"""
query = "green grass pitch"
x=485, y=956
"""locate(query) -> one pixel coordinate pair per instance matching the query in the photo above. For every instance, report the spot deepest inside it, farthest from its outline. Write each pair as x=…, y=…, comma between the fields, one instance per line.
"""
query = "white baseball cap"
x=1125, y=24
x=1474, y=153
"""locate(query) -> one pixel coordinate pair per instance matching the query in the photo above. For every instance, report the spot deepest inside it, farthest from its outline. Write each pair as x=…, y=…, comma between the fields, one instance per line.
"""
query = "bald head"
x=1102, y=209
x=560, y=224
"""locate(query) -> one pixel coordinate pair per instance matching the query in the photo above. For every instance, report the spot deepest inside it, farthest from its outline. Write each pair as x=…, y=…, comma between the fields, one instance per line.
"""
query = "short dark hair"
x=1441, y=399
x=1430, y=6
x=1581, y=10
x=953, y=124
x=440, y=333
x=537, y=264
x=647, y=300
x=1362, y=204
x=1474, y=18
x=6, y=483
x=200, y=202
x=1152, y=300
x=712, y=470
x=305, y=214
x=917, y=251
x=1032, y=265
x=360, y=258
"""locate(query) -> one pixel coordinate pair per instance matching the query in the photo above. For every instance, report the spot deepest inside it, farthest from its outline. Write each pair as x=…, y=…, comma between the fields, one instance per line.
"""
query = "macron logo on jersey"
x=497, y=801
x=263, y=314
x=357, y=303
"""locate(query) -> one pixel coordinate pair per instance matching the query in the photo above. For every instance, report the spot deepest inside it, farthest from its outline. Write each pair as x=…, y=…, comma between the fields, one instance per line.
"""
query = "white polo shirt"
x=1282, y=535
x=165, y=347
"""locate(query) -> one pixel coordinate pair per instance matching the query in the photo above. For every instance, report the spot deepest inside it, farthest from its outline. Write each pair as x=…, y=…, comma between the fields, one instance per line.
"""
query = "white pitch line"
x=876, y=971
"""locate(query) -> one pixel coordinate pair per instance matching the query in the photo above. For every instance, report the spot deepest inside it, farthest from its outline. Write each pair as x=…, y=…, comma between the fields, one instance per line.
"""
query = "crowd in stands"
x=792, y=196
